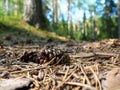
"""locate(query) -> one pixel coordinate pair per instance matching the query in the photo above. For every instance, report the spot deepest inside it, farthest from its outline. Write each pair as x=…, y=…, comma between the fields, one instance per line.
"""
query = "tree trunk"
x=119, y=19
x=33, y=13
x=68, y=16
x=16, y=9
x=84, y=26
x=92, y=26
x=7, y=7
x=55, y=13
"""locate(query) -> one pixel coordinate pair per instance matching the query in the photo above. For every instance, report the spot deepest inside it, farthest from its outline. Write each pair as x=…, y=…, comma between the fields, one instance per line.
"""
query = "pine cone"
x=30, y=56
x=49, y=54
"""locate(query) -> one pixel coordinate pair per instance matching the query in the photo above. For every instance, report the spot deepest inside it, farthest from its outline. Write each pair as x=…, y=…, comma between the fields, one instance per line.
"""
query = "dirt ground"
x=85, y=68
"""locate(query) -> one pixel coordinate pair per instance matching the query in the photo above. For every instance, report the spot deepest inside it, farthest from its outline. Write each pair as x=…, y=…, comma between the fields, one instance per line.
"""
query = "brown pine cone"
x=49, y=54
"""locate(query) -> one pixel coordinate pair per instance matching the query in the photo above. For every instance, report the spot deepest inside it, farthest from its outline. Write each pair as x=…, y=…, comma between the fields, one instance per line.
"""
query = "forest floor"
x=86, y=67
x=35, y=62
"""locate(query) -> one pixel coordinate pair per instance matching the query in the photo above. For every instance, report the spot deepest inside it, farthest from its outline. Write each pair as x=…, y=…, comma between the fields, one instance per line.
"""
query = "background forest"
x=59, y=44
x=73, y=19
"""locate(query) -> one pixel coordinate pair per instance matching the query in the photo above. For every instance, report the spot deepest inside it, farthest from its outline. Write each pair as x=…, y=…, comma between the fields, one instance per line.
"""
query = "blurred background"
x=62, y=19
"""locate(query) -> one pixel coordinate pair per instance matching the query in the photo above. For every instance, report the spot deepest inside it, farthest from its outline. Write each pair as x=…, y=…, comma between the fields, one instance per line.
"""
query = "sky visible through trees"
x=76, y=14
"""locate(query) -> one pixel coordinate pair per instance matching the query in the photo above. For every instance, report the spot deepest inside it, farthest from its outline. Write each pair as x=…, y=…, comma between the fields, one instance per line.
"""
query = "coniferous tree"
x=119, y=18
x=55, y=13
x=107, y=19
x=33, y=13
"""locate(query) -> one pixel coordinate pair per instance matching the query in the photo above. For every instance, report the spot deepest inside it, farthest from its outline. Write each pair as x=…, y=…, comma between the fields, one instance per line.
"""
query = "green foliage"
x=62, y=28
x=2, y=8
x=15, y=7
x=106, y=22
x=108, y=28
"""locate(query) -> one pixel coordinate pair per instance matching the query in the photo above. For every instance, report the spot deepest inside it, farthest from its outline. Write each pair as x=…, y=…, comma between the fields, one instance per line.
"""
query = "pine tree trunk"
x=68, y=16
x=84, y=26
x=119, y=19
x=55, y=13
x=33, y=13
x=93, y=26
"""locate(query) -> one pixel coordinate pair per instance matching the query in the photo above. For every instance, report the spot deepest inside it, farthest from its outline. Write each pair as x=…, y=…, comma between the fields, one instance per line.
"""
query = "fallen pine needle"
x=78, y=84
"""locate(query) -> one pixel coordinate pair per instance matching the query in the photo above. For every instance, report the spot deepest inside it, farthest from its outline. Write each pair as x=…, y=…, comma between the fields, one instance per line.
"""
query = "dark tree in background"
x=108, y=19
x=84, y=26
x=55, y=13
x=119, y=18
x=33, y=13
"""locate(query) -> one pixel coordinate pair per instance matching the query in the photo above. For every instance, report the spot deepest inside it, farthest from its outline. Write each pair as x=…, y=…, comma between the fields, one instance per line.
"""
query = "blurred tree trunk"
x=7, y=7
x=55, y=13
x=16, y=9
x=84, y=26
x=68, y=16
x=119, y=18
x=33, y=13
x=92, y=13
x=93, y=26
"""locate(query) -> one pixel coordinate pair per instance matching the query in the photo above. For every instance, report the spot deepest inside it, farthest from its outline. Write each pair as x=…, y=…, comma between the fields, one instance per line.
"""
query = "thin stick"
x=66, y=73
x=66, y=78
x=96, y=78
x=30, y=69
x=49, y=62
x=78, y=84
x=59, y=60
x=85, y=74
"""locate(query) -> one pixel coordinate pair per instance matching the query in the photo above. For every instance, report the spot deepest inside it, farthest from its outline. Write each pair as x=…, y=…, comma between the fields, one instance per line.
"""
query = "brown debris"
x=43, y=65
x=99, y=54
x=71, y=43
x=4, y=74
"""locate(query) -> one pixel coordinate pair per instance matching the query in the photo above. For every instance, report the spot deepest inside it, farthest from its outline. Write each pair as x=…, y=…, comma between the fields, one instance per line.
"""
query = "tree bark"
x=84, y=26
x=119, y=19
x=55, y=13
x=93, y=26
x=68, y=16
x=33, y=13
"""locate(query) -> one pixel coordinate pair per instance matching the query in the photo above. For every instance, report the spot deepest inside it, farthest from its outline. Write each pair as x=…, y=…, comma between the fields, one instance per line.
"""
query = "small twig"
x=49, y=62
x=67, y=78
x=106, y=54
x=96, y=77
x=78, y=84
x=115, y=60
x=87, y=55
x=37, y=68
x=66, y=73
x=85, y=74
x=59, y=60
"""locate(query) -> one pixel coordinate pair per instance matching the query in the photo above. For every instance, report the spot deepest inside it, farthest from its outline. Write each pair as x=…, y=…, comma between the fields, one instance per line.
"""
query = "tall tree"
x=107, y=19
x=55, y=13
x=119, y=18
x=82, y=5
x=68, y=16
x=84, y=25
x=33, y=13
x=92, y=13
